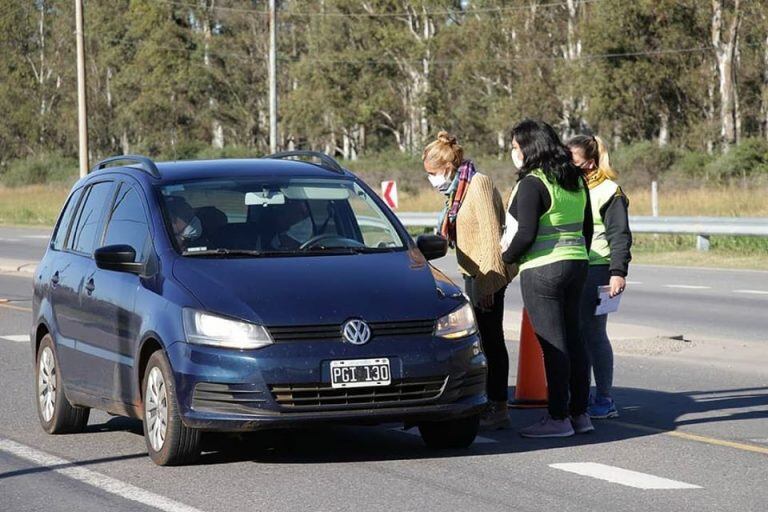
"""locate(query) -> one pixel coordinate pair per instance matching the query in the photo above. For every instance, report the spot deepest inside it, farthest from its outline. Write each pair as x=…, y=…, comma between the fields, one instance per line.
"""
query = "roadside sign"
x=389, y=193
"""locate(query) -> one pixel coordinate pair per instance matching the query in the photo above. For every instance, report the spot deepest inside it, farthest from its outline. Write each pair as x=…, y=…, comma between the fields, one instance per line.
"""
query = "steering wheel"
x=344, y=242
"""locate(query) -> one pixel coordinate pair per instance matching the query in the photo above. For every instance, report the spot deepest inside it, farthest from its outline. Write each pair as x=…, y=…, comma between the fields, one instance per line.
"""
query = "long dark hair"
x=542, y=149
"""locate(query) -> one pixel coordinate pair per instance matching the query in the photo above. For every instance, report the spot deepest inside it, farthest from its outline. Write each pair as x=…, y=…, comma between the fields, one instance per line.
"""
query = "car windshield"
x=249, y=217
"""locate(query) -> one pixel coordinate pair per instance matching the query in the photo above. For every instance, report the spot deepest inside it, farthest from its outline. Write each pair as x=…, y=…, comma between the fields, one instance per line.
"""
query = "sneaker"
x=582, y=424
x=495, y=417
x=549, y=427
x=603, y=408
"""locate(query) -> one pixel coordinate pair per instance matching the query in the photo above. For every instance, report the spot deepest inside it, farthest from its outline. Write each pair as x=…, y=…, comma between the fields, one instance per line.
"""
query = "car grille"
x=332, y=332
x=227, y=398
x=323, y=396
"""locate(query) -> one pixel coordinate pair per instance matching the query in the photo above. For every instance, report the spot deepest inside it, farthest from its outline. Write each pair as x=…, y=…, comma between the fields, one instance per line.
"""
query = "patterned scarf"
x=456, y=194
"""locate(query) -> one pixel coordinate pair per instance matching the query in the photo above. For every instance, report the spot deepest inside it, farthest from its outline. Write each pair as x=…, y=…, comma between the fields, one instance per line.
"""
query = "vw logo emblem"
x=356, y=332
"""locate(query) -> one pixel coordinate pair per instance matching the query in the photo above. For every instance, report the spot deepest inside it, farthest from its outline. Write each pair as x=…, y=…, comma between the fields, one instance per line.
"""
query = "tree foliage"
x=175, y=78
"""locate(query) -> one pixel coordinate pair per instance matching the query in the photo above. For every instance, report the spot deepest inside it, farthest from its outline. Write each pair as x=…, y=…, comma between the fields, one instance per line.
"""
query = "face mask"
x=437, y=180
x=517, y=160
x=302, y=230
x=193, y=230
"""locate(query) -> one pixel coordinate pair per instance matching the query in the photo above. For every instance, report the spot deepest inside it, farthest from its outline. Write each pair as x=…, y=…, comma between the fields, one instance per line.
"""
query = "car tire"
x=452, y=434
x=57, y=415
x=169, y=442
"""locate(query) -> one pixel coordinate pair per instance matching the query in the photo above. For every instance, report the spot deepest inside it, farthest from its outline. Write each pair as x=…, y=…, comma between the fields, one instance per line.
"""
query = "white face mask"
x=517, y=160
x=437, y=180
x=193, y=230
x=302, y=230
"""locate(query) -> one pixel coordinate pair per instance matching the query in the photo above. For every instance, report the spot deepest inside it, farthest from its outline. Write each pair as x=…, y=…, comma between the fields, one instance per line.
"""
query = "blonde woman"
x=609, y=258
x=472, y=223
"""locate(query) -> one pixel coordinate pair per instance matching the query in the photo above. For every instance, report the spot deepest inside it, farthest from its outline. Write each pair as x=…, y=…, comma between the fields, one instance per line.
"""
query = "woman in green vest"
x=550, y=214
x=609, y=259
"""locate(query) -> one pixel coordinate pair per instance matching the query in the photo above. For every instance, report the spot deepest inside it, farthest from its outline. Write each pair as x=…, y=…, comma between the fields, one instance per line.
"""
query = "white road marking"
x=16, y=338
x=688, y=286
x=755, y=292
x=622, y=476
x=414, y=431
x=634, y=282
x=103, y=482
x=38, y=237
x=10, y=240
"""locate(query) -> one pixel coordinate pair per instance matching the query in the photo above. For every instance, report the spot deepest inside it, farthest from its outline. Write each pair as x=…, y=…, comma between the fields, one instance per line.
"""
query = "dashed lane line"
x=688, y=286
x=15, y=338
x=92, y=478
x=622, y=476
x=753, y=292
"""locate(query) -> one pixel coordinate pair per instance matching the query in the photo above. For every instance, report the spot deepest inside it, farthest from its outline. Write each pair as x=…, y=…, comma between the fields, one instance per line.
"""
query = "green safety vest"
x=600, y=251
x=560, y=236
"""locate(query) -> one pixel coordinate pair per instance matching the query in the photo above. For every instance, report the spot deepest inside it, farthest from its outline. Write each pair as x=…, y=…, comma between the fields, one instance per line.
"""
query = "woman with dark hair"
x=550, y=205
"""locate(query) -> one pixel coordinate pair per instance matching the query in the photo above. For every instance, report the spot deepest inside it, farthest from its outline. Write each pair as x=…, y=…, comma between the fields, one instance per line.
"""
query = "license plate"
x=358, y=373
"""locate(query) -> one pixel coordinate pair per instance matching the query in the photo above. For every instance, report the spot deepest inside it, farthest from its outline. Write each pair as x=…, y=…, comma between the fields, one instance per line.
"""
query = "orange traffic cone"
x=531, y=388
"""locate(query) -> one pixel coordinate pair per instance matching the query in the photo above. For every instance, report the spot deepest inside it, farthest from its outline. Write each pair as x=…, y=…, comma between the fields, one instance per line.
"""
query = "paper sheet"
x=510, y=228
x=607, y=304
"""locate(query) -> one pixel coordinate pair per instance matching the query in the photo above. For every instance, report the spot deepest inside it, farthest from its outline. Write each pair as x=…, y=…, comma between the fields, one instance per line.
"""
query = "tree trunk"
x=663, y=128
x=725, y=53
x=764, y=98
x=501, y=144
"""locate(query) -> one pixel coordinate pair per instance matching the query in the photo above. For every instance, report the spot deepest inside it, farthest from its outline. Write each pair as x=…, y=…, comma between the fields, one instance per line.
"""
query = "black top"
x=616, y=219
x=529, y=204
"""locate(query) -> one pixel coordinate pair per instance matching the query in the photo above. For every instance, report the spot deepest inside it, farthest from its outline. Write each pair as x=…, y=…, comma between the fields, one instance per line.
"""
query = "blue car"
x=240, y=295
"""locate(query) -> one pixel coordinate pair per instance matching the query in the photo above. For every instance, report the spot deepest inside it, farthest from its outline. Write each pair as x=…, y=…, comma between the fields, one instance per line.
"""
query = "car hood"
x=313, y=290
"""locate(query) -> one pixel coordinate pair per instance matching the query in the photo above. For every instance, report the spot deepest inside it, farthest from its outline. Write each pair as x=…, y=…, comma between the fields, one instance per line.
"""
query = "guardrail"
x=702, y=227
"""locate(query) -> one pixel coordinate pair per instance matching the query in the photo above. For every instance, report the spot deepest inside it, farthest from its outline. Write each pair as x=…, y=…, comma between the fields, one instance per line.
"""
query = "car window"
x=86, y=227
x=128, y=223
x=276, y=215
x=60, y=235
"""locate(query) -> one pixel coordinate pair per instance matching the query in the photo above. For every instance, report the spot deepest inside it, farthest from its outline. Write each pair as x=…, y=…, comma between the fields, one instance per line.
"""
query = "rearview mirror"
x=119, y=258
x=432, y=246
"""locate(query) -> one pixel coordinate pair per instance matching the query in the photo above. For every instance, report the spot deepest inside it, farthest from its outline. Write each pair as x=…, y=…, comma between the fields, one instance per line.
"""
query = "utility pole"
x=272, y=76
x=82, y=121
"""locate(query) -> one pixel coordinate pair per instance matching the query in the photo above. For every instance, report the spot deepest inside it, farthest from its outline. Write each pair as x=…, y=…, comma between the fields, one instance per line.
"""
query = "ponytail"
x=604, y=160
x=594, y=148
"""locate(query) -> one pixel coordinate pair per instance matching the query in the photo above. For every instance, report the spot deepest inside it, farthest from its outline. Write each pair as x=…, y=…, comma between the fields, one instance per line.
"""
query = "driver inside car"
x=187, y=227
x=293, y=226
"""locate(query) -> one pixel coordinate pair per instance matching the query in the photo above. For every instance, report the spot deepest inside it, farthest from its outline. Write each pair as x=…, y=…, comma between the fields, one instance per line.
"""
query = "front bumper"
x=229, y=390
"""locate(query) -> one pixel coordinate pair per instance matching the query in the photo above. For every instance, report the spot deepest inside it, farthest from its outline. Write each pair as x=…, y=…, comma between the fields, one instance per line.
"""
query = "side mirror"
x=432, y=246
x=119, y=258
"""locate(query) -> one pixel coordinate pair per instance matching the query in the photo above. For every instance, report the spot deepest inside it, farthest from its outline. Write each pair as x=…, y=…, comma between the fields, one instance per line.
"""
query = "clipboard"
x=605, y=303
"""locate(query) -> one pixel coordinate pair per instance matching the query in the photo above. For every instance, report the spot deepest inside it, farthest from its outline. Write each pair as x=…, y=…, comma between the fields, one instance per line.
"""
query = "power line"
x=338, y=14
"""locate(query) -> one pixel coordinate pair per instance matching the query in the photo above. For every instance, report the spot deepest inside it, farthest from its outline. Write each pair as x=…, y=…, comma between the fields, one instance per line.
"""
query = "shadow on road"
x=643, y=413
x=75, y=464
x=644, y=408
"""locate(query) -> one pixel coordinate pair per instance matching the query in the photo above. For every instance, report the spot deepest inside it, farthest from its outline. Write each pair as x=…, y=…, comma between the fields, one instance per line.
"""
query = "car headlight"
x=206, y=329
x=457, y=324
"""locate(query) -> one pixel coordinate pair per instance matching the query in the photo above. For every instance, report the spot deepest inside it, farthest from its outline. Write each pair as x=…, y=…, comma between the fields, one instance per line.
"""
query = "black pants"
x=552, y=296
x=491, y=325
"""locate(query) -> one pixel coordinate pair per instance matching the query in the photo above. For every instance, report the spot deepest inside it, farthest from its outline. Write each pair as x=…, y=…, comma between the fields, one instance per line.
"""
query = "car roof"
x=182, y=170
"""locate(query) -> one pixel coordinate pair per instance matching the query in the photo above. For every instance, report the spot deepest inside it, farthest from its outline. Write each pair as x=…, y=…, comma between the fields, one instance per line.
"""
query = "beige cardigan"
x=479, y=226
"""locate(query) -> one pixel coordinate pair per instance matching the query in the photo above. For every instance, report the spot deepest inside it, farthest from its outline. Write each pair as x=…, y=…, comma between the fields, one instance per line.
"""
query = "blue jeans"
x=594, y=331
x=552, y=295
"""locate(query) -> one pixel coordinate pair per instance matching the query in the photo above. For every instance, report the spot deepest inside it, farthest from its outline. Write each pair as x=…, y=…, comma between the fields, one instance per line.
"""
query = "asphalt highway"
x=693, y=432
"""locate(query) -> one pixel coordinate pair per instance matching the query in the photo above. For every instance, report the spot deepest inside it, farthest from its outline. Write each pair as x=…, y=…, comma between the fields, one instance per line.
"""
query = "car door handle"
x=89, y=287
x=55, y=278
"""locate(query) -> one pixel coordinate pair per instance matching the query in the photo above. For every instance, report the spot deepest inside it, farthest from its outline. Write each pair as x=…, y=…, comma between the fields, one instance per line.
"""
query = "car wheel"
x=458, y=433
x=57, y=415
x=169, y=441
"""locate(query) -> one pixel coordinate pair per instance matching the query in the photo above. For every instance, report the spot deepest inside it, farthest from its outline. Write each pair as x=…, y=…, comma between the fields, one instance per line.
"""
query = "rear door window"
x=128, y=223
x=62, y=228
x=87, y=227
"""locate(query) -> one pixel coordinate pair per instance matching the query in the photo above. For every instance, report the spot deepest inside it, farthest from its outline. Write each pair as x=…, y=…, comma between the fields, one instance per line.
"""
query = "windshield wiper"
x=229, y=252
